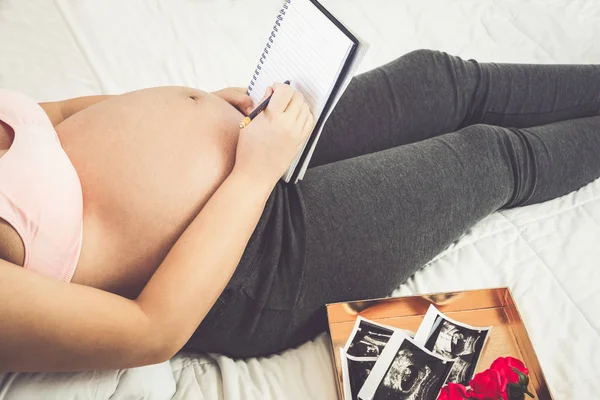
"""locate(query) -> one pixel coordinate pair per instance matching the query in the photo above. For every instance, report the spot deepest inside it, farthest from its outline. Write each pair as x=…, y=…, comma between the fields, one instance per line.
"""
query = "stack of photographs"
x=381, y=362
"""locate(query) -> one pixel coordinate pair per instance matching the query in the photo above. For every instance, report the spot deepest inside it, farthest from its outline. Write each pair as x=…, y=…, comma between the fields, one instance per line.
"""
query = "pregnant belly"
x=148, y=161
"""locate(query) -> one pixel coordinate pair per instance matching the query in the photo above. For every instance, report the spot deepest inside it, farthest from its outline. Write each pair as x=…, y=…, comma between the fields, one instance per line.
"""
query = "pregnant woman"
x=134, y=225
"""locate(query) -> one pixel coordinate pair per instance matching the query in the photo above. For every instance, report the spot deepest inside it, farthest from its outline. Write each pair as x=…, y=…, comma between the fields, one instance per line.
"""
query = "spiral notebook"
x=312, y=49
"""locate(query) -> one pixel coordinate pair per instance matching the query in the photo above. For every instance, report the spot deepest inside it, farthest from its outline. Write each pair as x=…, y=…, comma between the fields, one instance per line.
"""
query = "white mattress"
x=548, y=254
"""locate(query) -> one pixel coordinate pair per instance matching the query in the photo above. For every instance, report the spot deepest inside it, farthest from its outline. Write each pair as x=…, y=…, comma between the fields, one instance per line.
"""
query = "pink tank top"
x=40, y=192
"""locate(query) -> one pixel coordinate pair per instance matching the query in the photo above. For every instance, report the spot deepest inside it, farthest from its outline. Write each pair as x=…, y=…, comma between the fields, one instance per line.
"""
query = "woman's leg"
x=428, y=93
x=372, y=221
x=357, y=228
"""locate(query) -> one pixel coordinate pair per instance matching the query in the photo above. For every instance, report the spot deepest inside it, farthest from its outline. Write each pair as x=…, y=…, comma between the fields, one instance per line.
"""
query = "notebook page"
x=309, y=50
x=360, y=53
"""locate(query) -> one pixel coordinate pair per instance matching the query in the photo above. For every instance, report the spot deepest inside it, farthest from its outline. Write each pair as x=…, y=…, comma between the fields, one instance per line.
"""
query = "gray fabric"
x=415, y=153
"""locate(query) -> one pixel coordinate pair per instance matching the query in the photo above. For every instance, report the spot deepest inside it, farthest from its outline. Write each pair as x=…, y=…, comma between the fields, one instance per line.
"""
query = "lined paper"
x=309, y=50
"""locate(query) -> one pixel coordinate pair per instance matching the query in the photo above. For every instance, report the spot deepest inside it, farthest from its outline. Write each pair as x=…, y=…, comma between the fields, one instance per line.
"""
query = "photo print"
x=355, y=371
x=405, y=371
x=453, y=340
x=368, y=339
x=365, y=344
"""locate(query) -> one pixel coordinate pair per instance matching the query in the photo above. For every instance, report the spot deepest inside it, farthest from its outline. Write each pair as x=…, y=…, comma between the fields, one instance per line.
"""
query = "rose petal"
x=505, y=365
x=454, y=391
x=489, y=383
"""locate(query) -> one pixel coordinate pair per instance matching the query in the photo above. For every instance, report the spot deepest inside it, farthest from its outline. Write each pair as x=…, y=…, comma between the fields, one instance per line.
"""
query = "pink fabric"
x=40, y=192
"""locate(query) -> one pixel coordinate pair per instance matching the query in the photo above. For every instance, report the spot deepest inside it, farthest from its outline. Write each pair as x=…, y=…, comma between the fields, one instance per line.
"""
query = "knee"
x=423, y=53
x=422, y=57
x=432, y=67
x=482, y=134
x=478, y=129
x=499, y=155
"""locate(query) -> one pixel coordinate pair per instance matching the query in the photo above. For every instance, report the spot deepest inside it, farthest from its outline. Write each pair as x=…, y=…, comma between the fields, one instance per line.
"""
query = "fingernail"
x=248, y=110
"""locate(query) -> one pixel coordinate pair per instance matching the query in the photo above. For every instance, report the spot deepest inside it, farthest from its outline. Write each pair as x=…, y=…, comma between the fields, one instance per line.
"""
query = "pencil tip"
x=244, y=122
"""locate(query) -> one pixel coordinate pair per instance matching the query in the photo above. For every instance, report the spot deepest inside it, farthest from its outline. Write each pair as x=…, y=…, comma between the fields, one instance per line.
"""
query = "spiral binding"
x=273, y=35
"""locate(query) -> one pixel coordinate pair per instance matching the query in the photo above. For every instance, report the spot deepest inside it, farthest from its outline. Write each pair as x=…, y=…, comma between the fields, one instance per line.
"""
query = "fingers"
x=303, y=114
x=295, y=105
x=292, y=105
x=268, y=92
x=240, y=100
x=282, y=96
x=237, y=97
x=306, y=121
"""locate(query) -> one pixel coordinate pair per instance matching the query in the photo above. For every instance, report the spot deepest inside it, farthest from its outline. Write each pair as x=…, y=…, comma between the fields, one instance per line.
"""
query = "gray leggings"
x=415, y=153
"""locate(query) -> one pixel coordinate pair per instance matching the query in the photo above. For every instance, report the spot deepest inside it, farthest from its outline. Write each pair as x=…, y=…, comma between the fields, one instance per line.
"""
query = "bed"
x=548, y=254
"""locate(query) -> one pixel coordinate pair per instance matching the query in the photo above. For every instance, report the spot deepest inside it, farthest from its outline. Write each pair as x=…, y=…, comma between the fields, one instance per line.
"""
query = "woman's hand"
x=268, y=145
x=237, y=97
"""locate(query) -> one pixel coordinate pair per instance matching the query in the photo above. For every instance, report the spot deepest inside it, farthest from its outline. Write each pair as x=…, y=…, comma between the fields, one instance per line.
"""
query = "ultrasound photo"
x=355, y=371
x=413, y=375
x=454, y=340
x=368, y=339
x=406, y=371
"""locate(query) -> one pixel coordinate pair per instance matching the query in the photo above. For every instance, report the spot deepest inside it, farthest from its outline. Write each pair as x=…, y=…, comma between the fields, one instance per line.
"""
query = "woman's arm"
x=58, y=111
x=198, y=267
x=203, y=260
x=49, y=325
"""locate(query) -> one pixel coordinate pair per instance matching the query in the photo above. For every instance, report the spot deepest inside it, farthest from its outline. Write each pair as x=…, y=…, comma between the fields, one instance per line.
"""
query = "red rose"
x=489, y=384
x=505, y=365
x=456, y=391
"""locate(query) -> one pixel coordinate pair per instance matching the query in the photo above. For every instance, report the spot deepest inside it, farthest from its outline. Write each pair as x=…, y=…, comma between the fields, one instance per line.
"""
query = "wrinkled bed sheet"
x=548, y=254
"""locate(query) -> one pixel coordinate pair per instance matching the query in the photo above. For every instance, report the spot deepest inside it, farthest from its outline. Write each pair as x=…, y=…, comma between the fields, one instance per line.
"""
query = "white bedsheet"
x=548, y=254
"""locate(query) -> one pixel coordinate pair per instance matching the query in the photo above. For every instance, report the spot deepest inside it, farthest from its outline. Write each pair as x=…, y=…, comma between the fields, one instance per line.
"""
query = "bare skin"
x=145, y=172
x=147, y=161
x=171, y=193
